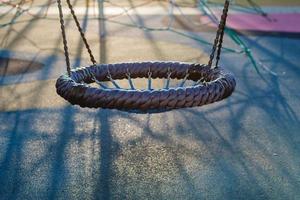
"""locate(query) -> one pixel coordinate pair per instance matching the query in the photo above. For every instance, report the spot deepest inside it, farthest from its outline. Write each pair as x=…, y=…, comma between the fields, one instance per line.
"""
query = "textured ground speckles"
x=245, y=147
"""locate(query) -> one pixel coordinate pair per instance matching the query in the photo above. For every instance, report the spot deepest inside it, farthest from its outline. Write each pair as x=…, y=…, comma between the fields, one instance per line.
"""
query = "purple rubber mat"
x=275, y=22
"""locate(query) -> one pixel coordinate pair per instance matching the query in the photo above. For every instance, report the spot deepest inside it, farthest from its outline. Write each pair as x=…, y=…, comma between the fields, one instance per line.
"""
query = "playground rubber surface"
x=245, y=147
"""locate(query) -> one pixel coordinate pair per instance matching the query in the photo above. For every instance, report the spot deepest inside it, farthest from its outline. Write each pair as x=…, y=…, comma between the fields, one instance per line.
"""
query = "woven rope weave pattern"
x=219, y=84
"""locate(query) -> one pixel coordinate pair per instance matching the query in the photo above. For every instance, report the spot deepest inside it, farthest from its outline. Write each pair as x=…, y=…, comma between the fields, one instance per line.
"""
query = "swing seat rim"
x=220, y=84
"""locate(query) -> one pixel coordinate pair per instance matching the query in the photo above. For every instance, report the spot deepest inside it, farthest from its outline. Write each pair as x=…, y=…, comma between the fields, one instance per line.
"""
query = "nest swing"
x=216, y=83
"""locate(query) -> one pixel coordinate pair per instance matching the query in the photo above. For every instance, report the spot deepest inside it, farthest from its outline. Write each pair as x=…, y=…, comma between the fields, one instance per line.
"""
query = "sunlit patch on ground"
x=245, y=147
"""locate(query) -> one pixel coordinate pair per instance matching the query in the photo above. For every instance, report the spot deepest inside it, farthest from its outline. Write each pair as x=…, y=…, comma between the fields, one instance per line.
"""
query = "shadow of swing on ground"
x=245, y=147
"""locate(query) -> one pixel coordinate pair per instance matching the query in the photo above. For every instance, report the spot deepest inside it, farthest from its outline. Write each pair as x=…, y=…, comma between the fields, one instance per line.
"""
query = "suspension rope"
x=81, y=33
x=63, y=32
x=223, y=18
x=219, y=36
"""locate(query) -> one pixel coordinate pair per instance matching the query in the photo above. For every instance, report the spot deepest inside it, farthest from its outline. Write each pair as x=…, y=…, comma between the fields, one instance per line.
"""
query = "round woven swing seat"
x=217, y=85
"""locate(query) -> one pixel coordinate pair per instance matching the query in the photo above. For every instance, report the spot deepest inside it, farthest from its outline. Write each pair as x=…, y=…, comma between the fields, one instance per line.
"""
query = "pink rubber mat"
x=275, y=22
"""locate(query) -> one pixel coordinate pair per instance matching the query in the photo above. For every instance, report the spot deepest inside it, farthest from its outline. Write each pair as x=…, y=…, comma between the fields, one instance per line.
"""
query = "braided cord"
x=63, y=32
x=81, y=33
x=223, y=18
x=219, y=36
